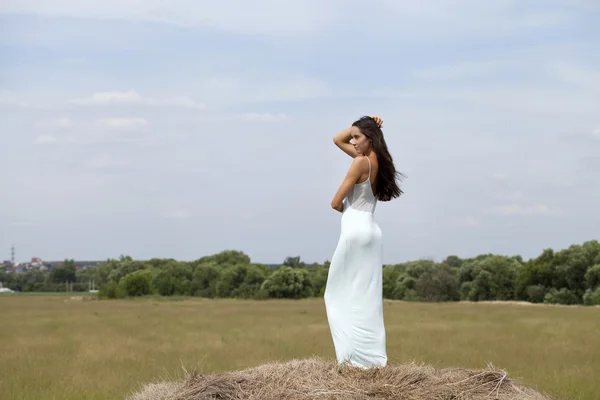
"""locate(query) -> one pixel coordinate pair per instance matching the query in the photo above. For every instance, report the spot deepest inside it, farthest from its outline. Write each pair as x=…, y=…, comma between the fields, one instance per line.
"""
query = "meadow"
x=63, y=347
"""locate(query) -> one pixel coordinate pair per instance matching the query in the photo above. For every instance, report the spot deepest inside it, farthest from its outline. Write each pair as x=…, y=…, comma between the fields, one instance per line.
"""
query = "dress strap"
x=369, y=160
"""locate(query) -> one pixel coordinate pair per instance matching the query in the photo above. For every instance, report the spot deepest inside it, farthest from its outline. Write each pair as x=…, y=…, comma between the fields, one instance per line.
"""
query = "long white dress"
x=353, y=295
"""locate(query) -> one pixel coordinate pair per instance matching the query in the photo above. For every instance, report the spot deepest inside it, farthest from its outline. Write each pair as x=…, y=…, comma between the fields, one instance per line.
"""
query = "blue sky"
x=183, y=128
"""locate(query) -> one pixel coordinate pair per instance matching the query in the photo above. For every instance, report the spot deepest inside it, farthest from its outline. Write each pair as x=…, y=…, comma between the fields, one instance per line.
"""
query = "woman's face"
x=360, y=142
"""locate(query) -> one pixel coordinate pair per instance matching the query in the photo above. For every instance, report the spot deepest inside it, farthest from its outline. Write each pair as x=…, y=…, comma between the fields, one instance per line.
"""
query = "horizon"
x=177, y=130
x=436, y=260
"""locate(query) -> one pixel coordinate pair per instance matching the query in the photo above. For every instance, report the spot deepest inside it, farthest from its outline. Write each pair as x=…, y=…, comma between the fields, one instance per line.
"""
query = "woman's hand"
x=378, y=120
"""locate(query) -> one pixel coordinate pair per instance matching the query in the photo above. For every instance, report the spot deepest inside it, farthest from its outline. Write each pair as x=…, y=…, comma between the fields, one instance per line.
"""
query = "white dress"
x=353, y=295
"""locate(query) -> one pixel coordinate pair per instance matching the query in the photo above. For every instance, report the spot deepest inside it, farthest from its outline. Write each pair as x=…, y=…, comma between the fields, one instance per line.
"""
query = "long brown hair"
x=387, y=176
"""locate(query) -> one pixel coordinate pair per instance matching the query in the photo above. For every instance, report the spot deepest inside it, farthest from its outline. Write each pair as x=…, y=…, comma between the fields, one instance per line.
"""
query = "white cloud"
x=74, y=60
x=513, y=196
x=540, y=79
x=238, y=16
x=500, y=176
x=36, y=99
x=115, y=130
x=582, y=137
x=577, y=75
x=123, y=123
x=108, y=163
x=453, y=18
x=8, y=99
x=526, y=98
x=94, y=138
x=21, y=224
x=64, y=123
x=58, y=123
x=46, y=139
x=266, y=117
x=461, y=70
x=468, y=222
x=53, y=101
x=132, y=97
x=179, y=214
x=515, y=209
x=230, y=91
x=480, y=104
x=112, y=97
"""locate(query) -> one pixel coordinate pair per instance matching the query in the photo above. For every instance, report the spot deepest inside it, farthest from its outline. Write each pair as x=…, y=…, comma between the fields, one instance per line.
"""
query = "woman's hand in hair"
x=378, y=120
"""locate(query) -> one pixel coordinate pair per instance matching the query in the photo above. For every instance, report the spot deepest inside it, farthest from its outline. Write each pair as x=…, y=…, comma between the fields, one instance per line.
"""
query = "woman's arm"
x=342, y=140
x=355, y=171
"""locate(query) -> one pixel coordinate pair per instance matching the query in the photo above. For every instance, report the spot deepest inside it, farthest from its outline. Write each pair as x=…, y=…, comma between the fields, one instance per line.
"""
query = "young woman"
x=353, y=295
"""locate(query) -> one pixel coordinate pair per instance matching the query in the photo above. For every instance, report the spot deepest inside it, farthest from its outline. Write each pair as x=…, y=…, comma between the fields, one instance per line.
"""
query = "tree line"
x=568, y=276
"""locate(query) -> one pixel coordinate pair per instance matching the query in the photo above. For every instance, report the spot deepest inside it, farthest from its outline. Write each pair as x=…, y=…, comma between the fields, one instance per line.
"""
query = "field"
x=58, y=347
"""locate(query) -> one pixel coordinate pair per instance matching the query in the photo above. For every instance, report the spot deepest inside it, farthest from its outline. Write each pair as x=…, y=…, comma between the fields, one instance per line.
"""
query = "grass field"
x=53, y=347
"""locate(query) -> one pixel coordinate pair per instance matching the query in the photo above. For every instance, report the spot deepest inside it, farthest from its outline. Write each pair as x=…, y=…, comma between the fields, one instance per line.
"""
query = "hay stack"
x=316, y=379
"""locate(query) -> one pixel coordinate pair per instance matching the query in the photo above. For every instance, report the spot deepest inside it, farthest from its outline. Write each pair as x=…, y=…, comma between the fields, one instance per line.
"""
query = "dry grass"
x=316, y=379
x=52, y=347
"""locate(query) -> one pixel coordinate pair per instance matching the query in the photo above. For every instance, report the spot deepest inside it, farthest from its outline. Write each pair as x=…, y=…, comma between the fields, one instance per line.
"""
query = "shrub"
x=562, y=296
x=592, y=297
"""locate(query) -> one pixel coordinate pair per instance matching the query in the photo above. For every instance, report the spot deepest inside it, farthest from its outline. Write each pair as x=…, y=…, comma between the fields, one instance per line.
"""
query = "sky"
x=184, y=128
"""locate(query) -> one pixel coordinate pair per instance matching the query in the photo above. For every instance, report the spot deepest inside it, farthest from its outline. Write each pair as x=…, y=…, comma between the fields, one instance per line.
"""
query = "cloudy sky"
x=182, y=128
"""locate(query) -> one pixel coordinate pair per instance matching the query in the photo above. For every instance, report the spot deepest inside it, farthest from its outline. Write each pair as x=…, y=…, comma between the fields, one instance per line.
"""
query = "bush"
x=592, y=297
x=205, y=280
x=592, y=277
x=483, y=287
x=111, y=290
x=569, y=276
x=163, y=283
x=137, y=283
x=437, y=284
x=465, y=289
x=562, y=296
x=287, y=282
x=536, y=293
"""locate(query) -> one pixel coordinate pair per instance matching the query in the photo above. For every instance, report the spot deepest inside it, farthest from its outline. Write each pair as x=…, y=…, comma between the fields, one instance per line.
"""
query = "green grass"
x=54, y=347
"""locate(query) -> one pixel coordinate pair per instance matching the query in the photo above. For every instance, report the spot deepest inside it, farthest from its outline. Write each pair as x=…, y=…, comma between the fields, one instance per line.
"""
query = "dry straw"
x=316, y=379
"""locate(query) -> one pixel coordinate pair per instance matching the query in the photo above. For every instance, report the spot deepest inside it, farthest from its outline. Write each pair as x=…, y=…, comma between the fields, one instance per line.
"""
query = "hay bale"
x=315, y=379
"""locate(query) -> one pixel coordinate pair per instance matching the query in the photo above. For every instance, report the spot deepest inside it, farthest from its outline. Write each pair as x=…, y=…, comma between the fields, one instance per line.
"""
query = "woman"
x=353, y=295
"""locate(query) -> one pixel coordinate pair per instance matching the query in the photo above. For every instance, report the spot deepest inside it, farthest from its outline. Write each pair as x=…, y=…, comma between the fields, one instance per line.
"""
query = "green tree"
x=240, y=281
x=163, y=283
x=592, y=277
x=318, y=278
x=591, y=297
x=104, y=271
x=572, y=264
x=226, y=258
x=562, y=296
x=536, y=293
x=405, y=288
x=288, y=282
x=389, y=281
x=138, y=282
x=205, y=280
x=438, y=283
x=498, y=282
x=294, y=262
x=64, y=273
x=483, y=287
x=31, y=281
x=453, y=261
